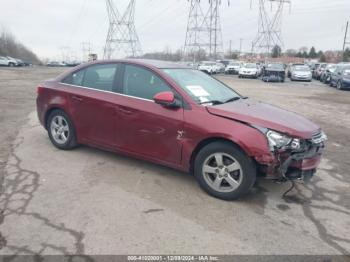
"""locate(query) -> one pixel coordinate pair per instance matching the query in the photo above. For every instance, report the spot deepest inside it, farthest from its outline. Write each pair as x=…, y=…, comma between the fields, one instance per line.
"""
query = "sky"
x=50, y=26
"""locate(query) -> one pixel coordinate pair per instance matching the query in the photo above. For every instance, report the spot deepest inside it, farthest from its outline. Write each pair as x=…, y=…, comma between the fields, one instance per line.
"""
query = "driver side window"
x=142, y=83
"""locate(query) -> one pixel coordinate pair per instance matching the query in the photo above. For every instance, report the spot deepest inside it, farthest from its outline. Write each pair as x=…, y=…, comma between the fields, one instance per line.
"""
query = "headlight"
x=278, y=140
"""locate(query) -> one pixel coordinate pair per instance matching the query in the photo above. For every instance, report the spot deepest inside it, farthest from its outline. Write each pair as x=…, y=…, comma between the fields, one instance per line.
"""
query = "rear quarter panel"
x=52, y=96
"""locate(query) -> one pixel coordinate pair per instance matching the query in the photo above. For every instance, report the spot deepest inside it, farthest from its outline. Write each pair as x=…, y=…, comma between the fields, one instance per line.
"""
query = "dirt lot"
x=88, y=201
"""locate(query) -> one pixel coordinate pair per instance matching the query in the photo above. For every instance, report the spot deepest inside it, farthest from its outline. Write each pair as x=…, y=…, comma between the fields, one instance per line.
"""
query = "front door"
x=144, y=127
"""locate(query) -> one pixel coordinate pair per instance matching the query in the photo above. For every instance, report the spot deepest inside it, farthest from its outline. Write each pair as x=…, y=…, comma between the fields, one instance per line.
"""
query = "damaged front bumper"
x=289, y=165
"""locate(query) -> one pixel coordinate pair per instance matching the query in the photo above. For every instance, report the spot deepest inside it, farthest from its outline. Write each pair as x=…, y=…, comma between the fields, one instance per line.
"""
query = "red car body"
x=173, y=136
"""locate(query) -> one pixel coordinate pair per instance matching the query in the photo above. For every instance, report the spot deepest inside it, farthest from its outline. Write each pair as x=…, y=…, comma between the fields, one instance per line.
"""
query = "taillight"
x=39, y=90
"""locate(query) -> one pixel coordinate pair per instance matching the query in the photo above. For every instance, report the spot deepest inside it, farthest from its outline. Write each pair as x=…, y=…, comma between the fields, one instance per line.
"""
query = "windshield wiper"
x=233, y=99
x=214, y=102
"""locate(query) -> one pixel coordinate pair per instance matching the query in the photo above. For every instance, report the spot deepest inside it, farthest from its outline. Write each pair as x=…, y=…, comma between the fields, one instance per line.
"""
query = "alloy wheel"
x=59, y=129
x=222, y=172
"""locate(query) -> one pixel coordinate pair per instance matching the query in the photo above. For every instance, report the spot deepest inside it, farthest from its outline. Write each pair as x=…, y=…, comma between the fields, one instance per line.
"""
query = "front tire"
x=224, y=171
x=61, y=130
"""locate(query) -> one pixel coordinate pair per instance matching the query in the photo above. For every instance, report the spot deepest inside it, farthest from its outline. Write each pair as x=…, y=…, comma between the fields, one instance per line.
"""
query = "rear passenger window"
x=100, y=77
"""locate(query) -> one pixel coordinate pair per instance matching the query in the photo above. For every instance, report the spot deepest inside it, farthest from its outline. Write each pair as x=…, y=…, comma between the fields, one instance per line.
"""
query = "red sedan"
x=182, y=118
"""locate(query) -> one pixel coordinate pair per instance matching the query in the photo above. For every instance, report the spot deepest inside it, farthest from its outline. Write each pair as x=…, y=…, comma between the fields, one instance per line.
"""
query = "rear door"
x=93, y=103
x=144, y=127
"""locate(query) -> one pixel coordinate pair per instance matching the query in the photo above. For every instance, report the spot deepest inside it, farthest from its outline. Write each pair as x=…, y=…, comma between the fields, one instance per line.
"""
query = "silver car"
x=301, y=73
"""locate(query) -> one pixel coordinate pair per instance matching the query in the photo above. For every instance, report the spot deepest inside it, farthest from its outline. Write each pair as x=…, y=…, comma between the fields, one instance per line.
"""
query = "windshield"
x=302, y=68
x=201, y=87
x=250, y=65
x=275, y=66
x=234, y=64
x=346, y=71
x=207, y=63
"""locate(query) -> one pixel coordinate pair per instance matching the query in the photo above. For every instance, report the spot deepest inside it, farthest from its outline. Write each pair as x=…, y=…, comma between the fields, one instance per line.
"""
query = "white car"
x=301, y=73
x=4, y=61
x=220, y=68
x=208, y=67
x=12, y=61
x=233, y=68
x=248, y=70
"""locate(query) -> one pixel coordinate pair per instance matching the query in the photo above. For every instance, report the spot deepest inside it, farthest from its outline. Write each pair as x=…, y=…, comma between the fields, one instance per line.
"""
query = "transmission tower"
x=270, y=26
x=204, y=30
x=122, y=39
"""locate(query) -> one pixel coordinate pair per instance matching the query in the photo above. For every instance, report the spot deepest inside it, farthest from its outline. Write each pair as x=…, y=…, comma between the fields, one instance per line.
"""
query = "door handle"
x=77, y=98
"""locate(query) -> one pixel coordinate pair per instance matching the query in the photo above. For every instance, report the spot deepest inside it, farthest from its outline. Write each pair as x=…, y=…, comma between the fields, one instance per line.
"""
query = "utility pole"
x=86, y=48
x=346, y=36
x=270, y=26
x=240, y=45
x=122, y=39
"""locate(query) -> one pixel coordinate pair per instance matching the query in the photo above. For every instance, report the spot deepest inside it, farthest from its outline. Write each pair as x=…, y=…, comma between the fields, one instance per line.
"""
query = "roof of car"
x=155, y=63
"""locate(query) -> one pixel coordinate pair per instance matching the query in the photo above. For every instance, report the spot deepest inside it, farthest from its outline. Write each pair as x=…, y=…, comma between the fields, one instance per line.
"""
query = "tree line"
x=9, y=46
x=311, y=53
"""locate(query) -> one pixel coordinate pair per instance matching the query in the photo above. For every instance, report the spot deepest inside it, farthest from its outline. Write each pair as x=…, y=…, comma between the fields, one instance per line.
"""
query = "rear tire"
x=61, y=130
x=224, y=171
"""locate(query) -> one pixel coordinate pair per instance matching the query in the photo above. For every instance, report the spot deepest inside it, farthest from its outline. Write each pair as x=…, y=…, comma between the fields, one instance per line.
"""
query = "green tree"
x=323, y=58
x=276, y=51
x=312, y=53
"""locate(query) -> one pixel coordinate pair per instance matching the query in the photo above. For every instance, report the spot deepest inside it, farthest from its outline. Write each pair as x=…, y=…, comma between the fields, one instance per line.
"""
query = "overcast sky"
x=47, y=26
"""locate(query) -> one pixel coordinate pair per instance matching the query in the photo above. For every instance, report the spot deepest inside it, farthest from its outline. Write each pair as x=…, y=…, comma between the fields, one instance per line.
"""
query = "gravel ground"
x=90, y=202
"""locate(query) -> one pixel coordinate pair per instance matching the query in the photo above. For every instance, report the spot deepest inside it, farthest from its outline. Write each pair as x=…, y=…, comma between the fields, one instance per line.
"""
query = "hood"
x=267, y=116
x=205, y=66
x=248, y=69
x=274, y=70
x=302, y=73
x=233, y=66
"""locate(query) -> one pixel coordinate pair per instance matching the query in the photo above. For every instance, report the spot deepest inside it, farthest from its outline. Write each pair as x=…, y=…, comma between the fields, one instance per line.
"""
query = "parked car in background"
x=326, y=74
x=55, y=64
x=73, y=63
x=248, y=70
x=155, y=110
x=301, y=73
x=12, y=61
x=313, y=67
x=320, y=69
x=340, y=78
x=208, y=67
x=273, y=72
x=6, y=61
x=27, y=63
x=233, y=68
x=220, y=68
x=289, y=68
x=19, y=62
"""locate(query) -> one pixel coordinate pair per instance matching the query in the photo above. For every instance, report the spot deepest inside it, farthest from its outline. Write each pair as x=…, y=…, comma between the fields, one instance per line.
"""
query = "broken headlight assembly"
x=280, y=141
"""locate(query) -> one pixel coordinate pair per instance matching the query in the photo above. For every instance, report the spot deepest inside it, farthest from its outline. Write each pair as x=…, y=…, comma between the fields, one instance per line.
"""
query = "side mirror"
x=166, y=99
